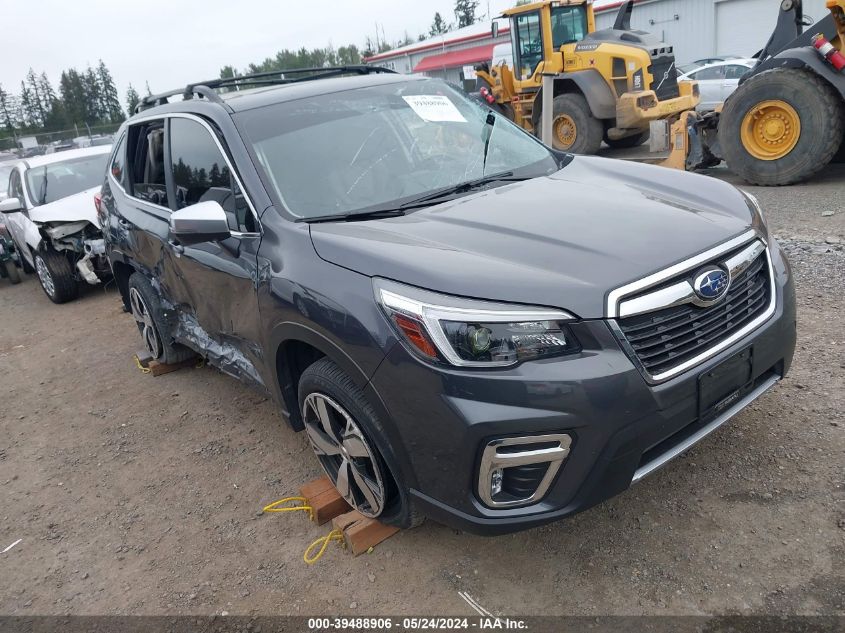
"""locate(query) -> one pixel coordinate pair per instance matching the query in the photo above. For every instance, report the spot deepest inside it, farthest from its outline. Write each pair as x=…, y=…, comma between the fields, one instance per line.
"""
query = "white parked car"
x=718, y=81
x=52, y=218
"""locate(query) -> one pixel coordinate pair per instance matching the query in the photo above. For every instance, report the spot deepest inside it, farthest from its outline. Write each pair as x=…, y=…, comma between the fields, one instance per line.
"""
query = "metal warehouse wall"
x=691, y=25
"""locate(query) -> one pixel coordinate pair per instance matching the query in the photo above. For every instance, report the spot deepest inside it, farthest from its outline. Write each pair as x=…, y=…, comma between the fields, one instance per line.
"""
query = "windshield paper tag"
x=434, y=108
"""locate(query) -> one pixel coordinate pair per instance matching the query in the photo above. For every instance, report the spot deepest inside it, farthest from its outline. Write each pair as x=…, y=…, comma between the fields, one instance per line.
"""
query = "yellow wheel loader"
x=786, y=120
x=608, y=85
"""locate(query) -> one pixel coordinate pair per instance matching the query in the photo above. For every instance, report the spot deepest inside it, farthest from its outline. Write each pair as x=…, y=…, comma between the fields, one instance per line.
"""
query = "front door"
x=217, y=289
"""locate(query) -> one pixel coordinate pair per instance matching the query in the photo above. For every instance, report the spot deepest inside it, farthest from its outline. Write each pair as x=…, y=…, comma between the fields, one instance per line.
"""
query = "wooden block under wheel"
x=324, y=499
x=361, y=533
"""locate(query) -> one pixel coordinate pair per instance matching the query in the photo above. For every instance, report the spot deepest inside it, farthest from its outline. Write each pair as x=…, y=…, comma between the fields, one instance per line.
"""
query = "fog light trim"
x=493, y=460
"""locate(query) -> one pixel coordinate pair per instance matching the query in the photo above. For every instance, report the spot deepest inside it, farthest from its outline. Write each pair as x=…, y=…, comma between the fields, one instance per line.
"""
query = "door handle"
x=176, y=246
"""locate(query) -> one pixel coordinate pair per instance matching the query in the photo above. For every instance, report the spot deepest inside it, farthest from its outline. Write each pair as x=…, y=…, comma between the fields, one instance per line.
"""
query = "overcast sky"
x=172, y=42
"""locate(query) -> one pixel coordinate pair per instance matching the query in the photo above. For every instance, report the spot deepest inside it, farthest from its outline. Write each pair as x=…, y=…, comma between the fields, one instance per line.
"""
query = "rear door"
x=138, y=204
x=218, y=279
x=710, y=80
x=733, y=73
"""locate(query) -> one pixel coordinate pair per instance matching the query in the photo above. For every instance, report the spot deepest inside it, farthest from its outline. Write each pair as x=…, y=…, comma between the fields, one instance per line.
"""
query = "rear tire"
x=12, y=271
x=145, y=308
x=56, y=276
x=629, y=141
x=757, y=127
x=574, y=128
x=352, y=445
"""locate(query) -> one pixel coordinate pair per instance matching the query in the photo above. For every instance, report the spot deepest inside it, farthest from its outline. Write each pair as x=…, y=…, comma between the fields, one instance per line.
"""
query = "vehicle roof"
x=60, y=157
x=749, y=62
x=250, y=98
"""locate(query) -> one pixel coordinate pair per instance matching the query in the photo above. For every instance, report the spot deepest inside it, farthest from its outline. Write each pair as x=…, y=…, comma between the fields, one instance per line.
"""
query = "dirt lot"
x=142, y=495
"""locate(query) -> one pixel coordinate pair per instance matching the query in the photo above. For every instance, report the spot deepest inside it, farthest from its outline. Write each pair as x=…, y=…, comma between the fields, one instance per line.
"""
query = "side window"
x=714, y=72
x=200, y=173
x=16, y=186
x=735, y=71
x=146, y=168
x=119, y=161
x=529, y=44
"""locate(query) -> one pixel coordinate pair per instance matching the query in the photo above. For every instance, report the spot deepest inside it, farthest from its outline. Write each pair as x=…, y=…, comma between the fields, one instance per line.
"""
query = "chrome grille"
x=666, y=338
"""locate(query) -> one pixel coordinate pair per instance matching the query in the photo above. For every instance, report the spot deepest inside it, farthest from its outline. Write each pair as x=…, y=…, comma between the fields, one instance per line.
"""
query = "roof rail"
x=206, y=89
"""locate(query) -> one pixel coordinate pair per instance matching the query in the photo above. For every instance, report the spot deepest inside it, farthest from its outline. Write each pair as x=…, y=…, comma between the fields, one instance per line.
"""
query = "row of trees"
x=465, y=14
x=83, y=97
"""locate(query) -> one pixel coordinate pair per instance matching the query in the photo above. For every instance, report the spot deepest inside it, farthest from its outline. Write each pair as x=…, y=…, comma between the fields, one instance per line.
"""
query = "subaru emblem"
x=711, y=285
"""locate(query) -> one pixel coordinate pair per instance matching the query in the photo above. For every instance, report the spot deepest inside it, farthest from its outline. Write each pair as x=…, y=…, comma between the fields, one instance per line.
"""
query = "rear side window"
x=119, y=161
x=201, y=173
x=147, y=171
x=735, y=71
x=714, y=72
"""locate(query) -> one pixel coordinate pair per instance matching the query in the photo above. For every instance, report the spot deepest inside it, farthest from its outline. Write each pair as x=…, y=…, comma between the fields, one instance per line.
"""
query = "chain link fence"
x=40, y=142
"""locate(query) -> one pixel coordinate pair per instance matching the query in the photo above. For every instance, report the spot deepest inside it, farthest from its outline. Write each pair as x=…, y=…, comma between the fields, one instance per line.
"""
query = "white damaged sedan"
x=51, y=215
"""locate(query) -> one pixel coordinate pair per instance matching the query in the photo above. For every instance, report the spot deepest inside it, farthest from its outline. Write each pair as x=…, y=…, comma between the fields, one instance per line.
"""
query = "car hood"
x=79, y=206
x=563, y=241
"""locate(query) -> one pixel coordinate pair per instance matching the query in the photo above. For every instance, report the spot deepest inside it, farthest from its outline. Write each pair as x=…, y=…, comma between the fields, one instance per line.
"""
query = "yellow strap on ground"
x=144, y=370
x=323, y=541
x=276, y=506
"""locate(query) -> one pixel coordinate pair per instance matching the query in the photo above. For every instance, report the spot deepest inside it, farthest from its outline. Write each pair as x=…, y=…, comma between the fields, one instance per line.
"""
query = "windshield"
x=59, y=180
x=369, y=148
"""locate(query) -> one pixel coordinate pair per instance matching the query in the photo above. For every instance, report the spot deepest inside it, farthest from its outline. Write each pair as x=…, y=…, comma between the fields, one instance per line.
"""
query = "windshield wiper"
x=506, y=176
x=424, y=201
x=354, y=217
x=489, y=122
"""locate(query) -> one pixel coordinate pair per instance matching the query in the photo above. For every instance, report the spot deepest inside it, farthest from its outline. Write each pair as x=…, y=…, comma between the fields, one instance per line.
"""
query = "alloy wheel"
x=44, y=276
x=344, y=454
x=141, y=314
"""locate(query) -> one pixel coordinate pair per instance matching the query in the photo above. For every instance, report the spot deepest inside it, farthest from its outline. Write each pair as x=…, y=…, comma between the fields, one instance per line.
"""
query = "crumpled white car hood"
x=74, y=208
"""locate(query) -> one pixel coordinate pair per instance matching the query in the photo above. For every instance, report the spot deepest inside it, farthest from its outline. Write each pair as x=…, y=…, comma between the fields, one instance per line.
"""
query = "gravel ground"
x=142, y=495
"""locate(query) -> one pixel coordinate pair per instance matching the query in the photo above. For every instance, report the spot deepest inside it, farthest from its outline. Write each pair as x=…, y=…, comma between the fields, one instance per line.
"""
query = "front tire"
x=781, y=127
x=56, y=276
x=145, y=307
x=12, y=271
x=574, y=128
x=345, y=432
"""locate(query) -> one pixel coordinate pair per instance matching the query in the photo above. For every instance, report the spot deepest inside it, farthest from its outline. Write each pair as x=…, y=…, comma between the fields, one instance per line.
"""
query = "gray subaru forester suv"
x=468, y=326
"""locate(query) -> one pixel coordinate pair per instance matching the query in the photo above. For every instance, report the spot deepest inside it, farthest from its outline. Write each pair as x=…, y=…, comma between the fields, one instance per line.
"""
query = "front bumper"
x=622, y=427
x=636, y=109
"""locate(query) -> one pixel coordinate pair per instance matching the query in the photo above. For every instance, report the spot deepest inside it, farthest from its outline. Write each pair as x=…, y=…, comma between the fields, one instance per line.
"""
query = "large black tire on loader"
x=781, y=127
x=574, y=128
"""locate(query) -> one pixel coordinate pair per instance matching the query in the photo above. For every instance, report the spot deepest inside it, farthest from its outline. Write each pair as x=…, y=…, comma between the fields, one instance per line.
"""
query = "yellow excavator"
x=608, y=84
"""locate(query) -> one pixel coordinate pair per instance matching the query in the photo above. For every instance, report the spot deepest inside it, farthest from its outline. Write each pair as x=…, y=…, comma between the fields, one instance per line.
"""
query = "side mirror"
x=10, y=205
x=495, y=29
x=201, y=222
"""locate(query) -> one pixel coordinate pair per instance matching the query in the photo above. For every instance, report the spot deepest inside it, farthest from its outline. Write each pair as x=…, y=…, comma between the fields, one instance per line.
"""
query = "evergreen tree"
x=439, y=25
x=8, y=116
x=91, y=90
x=465, y=12
x=36, y=100
x=28, y=111
x=109, y=101
x=132, y=99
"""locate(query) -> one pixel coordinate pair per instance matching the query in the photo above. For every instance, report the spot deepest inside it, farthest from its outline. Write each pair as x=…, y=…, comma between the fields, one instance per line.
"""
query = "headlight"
x=469, y=333
x=756, y=211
